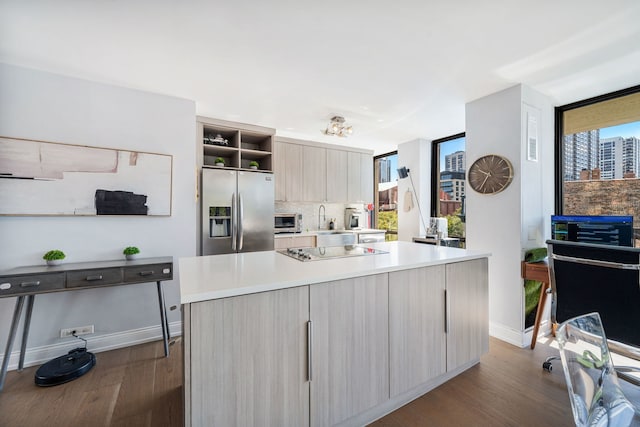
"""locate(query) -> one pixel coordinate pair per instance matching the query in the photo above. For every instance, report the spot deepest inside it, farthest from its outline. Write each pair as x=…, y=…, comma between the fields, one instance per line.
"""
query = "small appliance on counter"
x=354, y=219
x=437, y=228
x=288, y=223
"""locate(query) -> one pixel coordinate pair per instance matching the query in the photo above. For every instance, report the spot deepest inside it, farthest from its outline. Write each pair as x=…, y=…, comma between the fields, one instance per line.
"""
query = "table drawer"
x=148, y=273
x=98, y=277
x=31, y=284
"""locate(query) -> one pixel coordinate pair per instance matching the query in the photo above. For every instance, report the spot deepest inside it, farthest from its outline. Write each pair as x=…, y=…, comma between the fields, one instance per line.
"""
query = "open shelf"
x=255, y=142
x=238, y=146
x=231, y=136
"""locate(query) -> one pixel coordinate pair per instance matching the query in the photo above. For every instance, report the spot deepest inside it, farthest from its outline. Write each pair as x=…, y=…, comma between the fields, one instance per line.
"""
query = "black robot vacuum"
x=65, y=368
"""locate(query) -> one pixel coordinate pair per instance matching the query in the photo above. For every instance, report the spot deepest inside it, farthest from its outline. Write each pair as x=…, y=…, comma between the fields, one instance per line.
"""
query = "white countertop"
x=220, y=276
x=315, y=232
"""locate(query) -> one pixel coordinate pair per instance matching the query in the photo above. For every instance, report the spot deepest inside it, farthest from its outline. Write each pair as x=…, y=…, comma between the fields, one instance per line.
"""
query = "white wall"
x=537, y=185
x=49, y=107
x=416, y=156
x=506, y=223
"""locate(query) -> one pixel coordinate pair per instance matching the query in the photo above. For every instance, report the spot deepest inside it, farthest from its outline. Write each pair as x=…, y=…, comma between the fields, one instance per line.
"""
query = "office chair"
x=596, y=396
x=588, y=278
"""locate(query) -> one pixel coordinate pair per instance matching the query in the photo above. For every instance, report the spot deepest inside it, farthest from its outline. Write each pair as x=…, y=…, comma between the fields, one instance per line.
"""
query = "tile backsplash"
x=309, y=213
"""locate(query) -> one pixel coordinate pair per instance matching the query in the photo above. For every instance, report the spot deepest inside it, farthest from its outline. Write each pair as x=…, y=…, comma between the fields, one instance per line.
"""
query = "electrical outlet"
x=79, y=330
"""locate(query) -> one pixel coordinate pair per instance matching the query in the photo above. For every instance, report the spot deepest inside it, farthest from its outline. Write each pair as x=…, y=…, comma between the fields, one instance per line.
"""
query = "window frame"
x=559, y=126
x=435, y=169
x=375, y=185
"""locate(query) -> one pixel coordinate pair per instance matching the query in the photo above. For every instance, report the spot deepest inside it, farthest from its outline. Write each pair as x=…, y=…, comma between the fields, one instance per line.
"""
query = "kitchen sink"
x=335, y=238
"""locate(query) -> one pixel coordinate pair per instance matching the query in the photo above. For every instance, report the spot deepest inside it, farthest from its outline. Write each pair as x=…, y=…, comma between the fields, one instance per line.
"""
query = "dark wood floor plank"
x=96, y=407
x=167, y=403
x=135, y=400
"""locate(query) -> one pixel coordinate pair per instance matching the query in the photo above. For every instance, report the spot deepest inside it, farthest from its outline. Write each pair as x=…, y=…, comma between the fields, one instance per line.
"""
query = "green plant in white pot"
x=131, y=252
x=253, y=164
x=219, y=161
x=54, y=257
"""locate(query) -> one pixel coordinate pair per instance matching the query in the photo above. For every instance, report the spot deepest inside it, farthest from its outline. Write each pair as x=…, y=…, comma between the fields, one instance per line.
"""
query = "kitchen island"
x=271, y=340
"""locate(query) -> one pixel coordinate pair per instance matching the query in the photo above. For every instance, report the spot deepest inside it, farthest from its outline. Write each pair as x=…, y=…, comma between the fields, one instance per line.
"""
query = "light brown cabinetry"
x=280, y=171
x=289, y=172
x=248, y=360
x=319, y=173
x=337, y=176
x=360, y=178
x=467, y=312
x=366, y=178
x=350, y=347
x=438, y=321
x=238, y=144
x=340, y=352
x=417, y=339
x=314, y=178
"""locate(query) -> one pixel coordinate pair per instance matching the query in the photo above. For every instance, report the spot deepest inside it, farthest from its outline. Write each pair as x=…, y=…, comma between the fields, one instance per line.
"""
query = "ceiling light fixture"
x=338, y=127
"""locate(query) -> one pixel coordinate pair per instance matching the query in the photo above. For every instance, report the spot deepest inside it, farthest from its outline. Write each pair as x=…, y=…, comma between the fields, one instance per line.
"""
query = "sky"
x=448, y=148
x=626, y=130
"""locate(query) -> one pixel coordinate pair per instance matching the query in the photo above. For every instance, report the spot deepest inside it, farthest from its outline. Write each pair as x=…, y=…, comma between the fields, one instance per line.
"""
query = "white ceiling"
x=396, y=70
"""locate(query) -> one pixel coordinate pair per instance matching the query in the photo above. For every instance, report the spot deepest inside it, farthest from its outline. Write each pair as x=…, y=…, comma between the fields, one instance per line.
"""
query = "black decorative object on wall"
x=120, y=203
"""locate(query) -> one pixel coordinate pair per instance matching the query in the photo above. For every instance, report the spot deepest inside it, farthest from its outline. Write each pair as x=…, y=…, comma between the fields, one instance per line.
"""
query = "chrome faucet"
x=324, y=215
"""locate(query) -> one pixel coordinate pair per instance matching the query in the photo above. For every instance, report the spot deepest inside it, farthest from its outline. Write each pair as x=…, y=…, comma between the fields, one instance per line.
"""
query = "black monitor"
x=598, y=229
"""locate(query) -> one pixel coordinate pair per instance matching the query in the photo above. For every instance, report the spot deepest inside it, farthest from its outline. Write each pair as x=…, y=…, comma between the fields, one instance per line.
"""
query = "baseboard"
x=545, y=329
x=38, y=355
x=509, y=335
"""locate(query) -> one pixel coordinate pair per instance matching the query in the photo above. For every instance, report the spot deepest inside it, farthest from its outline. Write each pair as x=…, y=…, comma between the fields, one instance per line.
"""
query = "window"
x=598, y=156
x=448, y=179
x=386, y=194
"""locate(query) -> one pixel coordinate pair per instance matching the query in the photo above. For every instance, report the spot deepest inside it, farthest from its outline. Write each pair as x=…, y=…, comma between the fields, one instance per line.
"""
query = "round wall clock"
x=490, y=174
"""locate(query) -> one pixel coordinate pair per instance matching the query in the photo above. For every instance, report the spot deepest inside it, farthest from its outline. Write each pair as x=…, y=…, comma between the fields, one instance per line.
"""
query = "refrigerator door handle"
x=234, y=225
x=240, y=220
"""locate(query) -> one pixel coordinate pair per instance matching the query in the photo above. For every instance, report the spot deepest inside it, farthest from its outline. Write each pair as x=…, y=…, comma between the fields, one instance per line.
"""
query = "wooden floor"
x=137, y=386
x=134, y=386
x=508, y=388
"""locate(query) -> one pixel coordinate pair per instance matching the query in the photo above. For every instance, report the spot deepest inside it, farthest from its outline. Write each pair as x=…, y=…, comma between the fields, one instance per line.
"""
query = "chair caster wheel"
x=547, y=366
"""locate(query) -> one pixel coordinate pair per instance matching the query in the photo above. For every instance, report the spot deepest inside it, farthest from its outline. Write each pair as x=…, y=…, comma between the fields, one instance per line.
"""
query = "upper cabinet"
x=314, y=182
x=337, y=168
x=239, y=145
x=289, y=172
x=360, y=178
x=314, y=172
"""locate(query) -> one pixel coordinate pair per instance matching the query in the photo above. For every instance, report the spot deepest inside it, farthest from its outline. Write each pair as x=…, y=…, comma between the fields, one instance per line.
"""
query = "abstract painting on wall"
x=50, y=178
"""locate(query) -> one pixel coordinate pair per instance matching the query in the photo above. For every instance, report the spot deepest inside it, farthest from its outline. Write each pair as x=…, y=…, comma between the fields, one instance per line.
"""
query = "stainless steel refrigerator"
x=237, y=211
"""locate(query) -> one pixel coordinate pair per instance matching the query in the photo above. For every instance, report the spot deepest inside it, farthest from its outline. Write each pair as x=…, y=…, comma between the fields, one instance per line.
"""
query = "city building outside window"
x=598, y=156
x=448, y=187
x=386, y=194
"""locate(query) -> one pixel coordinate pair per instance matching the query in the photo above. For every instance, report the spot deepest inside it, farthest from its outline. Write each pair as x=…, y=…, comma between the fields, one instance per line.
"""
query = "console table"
x=27, y=282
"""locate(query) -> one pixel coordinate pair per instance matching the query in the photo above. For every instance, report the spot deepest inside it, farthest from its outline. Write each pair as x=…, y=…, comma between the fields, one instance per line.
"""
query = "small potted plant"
x=253, y=164
x=131, y=252
x=219, y=161
x=54, y=257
